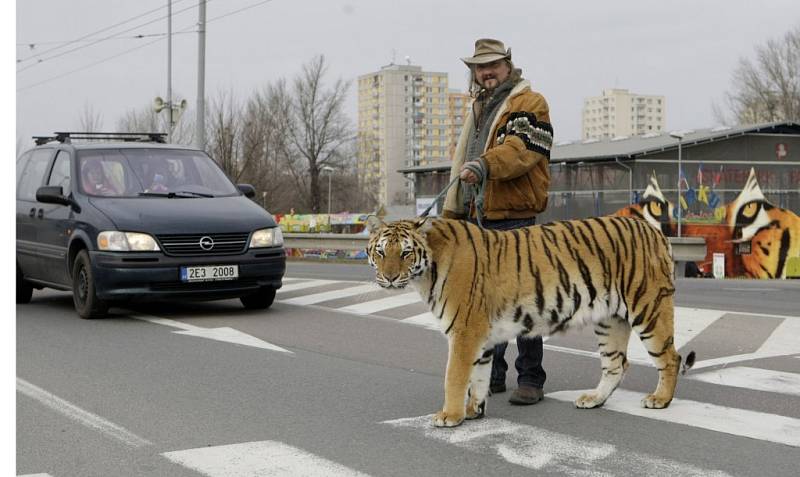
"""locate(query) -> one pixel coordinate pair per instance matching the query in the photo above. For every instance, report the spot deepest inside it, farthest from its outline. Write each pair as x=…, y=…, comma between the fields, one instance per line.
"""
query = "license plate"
x=209, y=273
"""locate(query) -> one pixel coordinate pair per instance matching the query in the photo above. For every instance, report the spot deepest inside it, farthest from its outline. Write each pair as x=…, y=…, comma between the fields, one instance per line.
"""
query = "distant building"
x=619, y=113
x=458, y=104
x=406, y=117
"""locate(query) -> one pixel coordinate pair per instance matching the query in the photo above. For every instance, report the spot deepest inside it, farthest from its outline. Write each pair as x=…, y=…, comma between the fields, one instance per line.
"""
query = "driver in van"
x=94, y=179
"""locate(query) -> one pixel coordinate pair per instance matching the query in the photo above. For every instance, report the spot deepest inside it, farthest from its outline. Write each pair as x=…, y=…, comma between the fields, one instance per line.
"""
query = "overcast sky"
x=685, y=50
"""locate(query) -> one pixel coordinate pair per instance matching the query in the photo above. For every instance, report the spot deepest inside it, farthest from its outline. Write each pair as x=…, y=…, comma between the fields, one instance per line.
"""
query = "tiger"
x=773, y=232
x=488, y=286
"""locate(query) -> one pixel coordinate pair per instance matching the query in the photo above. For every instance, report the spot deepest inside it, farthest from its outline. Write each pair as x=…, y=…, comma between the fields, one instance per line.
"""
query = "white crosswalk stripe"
x=753, y=378
x=425, y=320
x=738, y=422
x=304, y=285
x=331, y=295
x=375, y=306
x=689, y=322
x=258, y=459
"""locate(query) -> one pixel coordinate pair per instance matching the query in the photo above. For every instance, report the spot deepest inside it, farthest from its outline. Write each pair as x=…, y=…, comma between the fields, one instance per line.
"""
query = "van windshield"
x=151, y=172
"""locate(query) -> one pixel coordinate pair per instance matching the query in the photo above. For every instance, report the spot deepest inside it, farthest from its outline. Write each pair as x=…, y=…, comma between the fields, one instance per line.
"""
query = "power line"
x=89, y=65
x=132, y=37
x=94, y=42
x=239, y=10
x=66, y=43
x=125, y=52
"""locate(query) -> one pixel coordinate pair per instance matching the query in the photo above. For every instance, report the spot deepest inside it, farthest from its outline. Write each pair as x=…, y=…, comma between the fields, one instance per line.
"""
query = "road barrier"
x=684, y=249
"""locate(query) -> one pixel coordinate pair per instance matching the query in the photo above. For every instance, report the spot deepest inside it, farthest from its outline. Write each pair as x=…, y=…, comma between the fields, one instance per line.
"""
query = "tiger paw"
x=475, y=410
x=444, y=419
x=589, y=401
x=651, y=401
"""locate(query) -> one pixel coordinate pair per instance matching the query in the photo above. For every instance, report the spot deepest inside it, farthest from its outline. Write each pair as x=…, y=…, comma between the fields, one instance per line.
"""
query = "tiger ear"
x=374, y=223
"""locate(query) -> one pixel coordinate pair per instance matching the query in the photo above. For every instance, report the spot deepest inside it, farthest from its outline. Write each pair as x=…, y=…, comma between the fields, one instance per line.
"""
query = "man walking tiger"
x=506, y=141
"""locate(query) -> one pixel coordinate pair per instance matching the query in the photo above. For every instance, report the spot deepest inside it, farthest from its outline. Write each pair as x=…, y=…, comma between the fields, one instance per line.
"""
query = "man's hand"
x=467, y=175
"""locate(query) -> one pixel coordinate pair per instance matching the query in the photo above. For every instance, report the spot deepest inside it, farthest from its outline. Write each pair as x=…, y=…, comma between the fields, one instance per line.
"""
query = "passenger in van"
x=160, y=182
x=94, y=179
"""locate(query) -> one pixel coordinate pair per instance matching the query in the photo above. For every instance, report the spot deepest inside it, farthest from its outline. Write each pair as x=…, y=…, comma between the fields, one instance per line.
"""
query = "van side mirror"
x=52, y=195
x=248, y=190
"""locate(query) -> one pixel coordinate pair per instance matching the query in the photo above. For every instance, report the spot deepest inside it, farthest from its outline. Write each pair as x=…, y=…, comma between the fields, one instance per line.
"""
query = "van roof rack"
x=68, y=136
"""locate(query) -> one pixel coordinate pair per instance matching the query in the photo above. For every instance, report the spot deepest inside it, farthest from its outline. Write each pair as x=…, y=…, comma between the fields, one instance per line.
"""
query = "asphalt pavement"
x=340, y=377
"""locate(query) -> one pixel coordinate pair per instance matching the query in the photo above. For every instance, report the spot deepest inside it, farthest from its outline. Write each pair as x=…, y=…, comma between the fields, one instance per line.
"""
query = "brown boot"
x=526, y=395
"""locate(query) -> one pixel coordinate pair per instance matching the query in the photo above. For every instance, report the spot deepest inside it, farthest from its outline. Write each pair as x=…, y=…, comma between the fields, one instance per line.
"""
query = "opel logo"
x=206, y=243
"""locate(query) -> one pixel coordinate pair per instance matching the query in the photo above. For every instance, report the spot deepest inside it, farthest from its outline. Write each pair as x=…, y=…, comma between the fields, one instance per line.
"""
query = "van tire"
x=84, y=294
x=24, y=289
x=260, y=300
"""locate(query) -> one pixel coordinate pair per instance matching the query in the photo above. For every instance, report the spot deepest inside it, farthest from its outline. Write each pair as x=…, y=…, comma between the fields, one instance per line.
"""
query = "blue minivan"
x=131, y=218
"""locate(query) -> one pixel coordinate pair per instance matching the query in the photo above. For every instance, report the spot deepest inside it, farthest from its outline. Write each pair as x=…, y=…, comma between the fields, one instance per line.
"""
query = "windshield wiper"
x=171, y=195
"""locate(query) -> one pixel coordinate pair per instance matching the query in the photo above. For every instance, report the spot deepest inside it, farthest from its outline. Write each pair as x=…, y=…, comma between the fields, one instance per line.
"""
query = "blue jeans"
x=529, y=362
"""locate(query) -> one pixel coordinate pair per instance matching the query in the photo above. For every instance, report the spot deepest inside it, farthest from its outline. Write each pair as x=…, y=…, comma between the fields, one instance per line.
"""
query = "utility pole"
x=201, y=76
x=169, y=69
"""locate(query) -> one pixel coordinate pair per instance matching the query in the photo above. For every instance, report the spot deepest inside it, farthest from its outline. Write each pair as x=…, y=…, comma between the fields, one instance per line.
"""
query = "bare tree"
x=768, y=88
x=317, y=128
x=90, y=120
x=224, y=124
x=265, y=148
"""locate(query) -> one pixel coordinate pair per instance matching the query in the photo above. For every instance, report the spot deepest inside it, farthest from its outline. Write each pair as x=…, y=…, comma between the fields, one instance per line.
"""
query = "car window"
x=134, y=172
x=33, y=175
x=60, y=175
x=22, y=161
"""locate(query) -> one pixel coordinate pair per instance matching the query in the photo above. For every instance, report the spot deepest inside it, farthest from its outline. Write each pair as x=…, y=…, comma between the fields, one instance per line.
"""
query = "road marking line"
x=224, y=333
x=538, y=448
x=262, y=458
x=425, y=320
x=729, y=420
x=382, y=304
x=304, y=285
x=330, y=295
x=753, y=378
x=35, y=475
x=82, y=416
x=782, y=342
x=689, y=322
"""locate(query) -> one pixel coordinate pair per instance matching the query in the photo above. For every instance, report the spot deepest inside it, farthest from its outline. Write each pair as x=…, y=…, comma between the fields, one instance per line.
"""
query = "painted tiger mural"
x=653, y=207
x=489, y=286
x=773, y=232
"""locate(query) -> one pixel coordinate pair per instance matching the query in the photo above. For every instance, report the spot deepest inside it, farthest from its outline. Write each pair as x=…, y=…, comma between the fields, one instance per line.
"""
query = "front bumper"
x=132, y=276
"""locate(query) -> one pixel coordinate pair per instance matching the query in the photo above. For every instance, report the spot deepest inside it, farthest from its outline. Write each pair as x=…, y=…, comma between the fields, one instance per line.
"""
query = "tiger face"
x=771, y=231
x=396, y=251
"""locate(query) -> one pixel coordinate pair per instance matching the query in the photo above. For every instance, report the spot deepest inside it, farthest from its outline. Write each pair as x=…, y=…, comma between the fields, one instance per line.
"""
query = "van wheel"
x=24, y=289
x=259, y=300
x=83, y=290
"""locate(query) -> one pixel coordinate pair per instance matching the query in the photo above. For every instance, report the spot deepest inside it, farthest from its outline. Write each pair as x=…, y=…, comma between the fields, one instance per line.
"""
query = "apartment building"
x=620, y=113
x=406, y=117
x=458, y=104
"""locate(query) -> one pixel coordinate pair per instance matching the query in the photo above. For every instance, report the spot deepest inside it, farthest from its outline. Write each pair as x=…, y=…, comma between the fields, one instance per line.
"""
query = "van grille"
x=189, y=244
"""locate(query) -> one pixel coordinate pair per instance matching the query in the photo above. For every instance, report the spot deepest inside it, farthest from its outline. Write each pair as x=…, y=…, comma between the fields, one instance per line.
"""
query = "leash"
x=443, y=192
x=479, y=190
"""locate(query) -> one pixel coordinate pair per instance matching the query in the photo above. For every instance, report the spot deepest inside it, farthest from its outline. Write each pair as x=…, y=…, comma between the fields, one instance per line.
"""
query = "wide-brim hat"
x=488, y=50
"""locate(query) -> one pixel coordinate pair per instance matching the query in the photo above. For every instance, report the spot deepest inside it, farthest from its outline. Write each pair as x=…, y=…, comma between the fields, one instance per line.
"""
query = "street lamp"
x=329, y=170
x=679, y=136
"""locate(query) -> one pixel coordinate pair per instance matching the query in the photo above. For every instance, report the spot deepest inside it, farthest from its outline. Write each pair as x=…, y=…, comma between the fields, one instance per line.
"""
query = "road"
x=340, y=377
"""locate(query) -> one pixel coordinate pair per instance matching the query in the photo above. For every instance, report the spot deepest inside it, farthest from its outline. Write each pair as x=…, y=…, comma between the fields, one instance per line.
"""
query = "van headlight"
x=271, y=237
x=115, y=241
